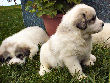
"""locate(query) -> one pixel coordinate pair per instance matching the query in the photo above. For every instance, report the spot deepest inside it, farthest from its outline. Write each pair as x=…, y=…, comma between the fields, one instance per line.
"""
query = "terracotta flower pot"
x=51, y=23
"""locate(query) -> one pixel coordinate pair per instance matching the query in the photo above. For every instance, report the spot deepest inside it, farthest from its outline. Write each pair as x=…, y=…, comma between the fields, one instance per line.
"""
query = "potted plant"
x=51, y=11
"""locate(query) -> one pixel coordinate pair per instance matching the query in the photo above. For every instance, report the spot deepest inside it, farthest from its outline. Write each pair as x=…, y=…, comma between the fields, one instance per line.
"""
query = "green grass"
x=11, y=22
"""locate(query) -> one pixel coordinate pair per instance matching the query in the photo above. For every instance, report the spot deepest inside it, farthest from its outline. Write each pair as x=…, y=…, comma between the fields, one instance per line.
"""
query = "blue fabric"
x=102, y=8
x=30, y=19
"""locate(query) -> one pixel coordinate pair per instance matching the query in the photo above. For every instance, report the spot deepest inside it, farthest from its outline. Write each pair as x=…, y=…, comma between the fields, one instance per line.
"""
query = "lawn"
x=11, y=22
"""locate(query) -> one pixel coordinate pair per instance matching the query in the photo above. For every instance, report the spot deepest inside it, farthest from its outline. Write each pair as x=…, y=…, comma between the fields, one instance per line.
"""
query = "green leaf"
x=40, y=8
x=27, y=8
x=77, y=1
x=32, y=11
x=40, y=13
x=49, y=4
x=74, y=1
x=29, y=3
x=59, y=6
x=45, y=0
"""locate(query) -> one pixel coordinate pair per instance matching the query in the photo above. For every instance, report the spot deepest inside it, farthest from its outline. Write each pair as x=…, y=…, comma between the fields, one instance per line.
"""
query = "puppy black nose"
x=102, y=24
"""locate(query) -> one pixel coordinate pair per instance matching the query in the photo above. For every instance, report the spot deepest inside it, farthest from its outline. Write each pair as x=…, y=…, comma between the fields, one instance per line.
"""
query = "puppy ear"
x=82, y=24
x=24, y=51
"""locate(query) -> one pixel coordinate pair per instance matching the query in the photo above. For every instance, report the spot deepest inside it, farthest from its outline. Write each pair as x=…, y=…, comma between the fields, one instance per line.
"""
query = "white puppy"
x=103, y=37
x=15, y=48
x=72, y=42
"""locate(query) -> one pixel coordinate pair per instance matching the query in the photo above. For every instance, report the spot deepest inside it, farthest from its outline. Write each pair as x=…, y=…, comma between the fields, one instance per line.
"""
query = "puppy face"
x=84, y=18
x=87, y=20
x=19, y=55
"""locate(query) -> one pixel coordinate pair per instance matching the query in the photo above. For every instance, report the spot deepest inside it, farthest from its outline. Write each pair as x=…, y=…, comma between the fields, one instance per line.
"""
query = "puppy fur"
x=15, y=48
x=72, y=42
x=103, y=37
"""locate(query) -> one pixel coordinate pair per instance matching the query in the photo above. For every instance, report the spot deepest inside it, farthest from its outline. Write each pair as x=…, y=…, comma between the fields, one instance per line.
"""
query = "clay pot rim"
x=48, y=16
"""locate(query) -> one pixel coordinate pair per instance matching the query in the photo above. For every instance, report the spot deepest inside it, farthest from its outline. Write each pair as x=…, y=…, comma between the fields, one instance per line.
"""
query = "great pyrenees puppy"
x=103, y=37
x=72, y=42
x=17, y=47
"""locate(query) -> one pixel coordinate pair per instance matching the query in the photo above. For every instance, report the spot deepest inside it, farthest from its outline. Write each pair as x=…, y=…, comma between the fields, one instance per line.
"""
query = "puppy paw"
x=43, y=70
x=92, y=58
x=82, y=76
x=31, y=57
x=91, y=61
x=88, y=63
x=41, y=73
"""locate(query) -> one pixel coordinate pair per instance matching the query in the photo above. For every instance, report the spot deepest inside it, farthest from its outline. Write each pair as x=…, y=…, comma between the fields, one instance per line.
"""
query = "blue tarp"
x=30, y=19
x=102, y=8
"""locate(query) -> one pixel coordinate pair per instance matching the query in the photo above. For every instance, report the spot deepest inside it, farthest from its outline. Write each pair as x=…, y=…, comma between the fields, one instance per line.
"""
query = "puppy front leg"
x=90, y=60
x=44, y=69
x=72, y=63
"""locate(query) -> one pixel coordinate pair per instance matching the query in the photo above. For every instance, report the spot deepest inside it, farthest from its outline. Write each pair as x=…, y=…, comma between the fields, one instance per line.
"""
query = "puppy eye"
x=84, y=15
x=8, y=58
x=20, y=56
x=93, y=19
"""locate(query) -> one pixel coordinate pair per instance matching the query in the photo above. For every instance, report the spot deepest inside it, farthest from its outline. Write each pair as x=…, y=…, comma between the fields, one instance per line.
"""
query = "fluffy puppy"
x=72, y=42
x=15, y=48
x=103, y=37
